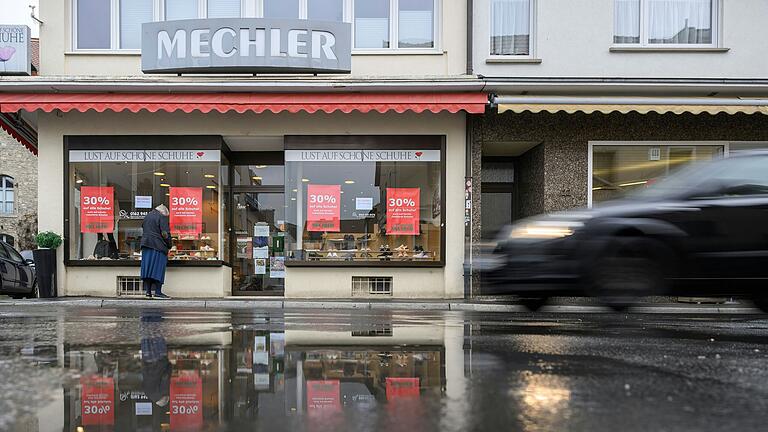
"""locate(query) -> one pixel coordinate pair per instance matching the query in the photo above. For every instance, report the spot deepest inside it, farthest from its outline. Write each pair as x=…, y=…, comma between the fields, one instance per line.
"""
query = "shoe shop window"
x=365, y=201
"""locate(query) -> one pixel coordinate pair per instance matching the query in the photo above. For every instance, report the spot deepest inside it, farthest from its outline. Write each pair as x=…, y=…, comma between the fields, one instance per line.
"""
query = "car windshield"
x=703, y=176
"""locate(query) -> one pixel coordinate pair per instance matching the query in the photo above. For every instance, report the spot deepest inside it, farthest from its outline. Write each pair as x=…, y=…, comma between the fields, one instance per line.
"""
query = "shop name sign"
x=246, y=45
x=15, y=49
x=144, y=155
x=362, y=155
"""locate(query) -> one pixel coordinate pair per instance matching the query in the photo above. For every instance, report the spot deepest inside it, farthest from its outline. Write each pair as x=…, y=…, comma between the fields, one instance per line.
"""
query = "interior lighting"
x=636, y=183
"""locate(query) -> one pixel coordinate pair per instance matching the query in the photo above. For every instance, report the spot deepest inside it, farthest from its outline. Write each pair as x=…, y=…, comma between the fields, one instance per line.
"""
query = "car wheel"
x=35, y=291
x=631, y=268
x=534, y=303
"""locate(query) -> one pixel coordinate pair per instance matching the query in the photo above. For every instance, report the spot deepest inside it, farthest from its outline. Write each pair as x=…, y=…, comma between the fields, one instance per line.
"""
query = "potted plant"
x=45, y=262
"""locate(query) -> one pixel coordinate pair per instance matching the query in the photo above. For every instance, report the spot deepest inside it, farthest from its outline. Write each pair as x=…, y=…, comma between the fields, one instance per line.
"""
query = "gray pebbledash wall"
x=18, y=162
x=552, y=176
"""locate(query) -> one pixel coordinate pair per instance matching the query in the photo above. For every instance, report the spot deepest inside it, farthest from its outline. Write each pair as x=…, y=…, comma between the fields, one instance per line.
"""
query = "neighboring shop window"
x=621, y=169
x=665, y=22
x=364, y=206
x=6, y=194
x=511, y=27
x=110, y=192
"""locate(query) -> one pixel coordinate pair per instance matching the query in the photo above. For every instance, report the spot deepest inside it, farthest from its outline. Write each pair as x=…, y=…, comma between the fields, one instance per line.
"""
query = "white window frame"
x=394, y=34
x=3, y=189
x=694, y=144
x=716, y=20
x=531, y=37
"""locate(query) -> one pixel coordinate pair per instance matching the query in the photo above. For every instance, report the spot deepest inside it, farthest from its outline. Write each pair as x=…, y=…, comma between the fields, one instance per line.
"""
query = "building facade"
x=584, y=114
x=18, y=193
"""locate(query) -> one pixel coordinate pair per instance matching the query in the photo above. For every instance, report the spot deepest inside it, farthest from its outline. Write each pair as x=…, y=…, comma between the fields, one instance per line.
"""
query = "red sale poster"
x=97, y=209
x=323, y=208
x=403, y=211
x=402, y=388
x=186, y=210
x=97, y=399
x=323, y=396
x=186, y=401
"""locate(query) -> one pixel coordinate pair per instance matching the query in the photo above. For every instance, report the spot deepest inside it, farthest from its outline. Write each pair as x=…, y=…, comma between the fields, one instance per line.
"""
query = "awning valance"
x=473, y=103
x=624, y=105
x=19, y=131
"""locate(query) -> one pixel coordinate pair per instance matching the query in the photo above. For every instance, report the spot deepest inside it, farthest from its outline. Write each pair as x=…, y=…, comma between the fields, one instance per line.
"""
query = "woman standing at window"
x=155, y=243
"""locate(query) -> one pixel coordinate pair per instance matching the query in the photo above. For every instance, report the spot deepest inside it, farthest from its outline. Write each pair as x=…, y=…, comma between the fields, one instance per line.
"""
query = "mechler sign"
x=246, y=45
x=15, y=49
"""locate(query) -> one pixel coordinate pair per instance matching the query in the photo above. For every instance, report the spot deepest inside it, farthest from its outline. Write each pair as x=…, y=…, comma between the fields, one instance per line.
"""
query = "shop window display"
x=364, y=206
x=110, y=192
x=620, y=169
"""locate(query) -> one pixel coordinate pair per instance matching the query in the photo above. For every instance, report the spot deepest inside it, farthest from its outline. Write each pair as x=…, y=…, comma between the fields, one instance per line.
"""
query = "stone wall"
x=18, y=162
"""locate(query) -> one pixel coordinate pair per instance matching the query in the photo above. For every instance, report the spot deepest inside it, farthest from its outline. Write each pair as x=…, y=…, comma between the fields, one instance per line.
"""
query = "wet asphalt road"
x=131, y=369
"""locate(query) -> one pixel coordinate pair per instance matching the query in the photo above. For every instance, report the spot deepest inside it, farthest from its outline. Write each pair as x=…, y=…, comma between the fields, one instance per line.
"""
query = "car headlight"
x=545, y=230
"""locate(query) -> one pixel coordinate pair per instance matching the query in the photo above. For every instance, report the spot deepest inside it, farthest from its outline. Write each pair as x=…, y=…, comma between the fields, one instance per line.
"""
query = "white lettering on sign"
x=166, y=46
x=362, y=155
x=144, y=155
x=217, y=43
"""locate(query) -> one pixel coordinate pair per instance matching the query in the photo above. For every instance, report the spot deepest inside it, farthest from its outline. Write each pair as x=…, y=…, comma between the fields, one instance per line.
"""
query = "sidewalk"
x=254, y=303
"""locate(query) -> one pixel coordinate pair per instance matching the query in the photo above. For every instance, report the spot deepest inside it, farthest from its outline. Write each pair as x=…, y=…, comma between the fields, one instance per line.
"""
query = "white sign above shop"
x=362, y=155
x=144, y=155
x=15, y=50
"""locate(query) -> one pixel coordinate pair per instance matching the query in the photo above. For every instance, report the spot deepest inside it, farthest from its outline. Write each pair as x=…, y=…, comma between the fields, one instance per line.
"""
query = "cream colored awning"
x=624, y=105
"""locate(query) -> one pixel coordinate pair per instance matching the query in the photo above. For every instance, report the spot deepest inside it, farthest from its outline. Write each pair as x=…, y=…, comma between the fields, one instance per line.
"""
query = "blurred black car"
x=701, y=231
x=17, y=275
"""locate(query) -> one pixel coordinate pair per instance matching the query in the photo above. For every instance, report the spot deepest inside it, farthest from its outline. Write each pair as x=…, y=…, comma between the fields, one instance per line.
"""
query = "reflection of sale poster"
x=186, y=210
x=97, y=209
x=97, y=400
x=402, y=388
x=323, y=396
x=323, y=208
x=403, y=211
x=186, y=401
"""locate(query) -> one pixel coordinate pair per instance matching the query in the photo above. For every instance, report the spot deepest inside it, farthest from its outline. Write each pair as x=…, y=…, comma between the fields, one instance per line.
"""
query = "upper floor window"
x=511, y=23
x=665, y=22
x=6, y=194
x=390, y=24
x=378, y=24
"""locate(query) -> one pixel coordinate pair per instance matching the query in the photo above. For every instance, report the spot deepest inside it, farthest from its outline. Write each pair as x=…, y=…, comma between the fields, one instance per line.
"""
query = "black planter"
x=45, y=266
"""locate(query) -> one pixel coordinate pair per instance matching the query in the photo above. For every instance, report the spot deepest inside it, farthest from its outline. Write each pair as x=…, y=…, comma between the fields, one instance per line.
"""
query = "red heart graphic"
x=200, y=154
x=418, y=154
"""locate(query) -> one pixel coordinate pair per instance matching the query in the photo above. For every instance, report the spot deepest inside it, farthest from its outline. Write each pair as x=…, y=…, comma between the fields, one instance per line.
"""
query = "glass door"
x=258, y=230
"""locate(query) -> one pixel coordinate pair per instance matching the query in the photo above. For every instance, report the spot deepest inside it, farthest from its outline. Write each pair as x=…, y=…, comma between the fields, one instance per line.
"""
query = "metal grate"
x=129, y=286
x=365, y=286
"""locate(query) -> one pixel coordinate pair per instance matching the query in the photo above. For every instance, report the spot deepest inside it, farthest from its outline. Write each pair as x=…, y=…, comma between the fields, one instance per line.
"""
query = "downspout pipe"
x=470, y=36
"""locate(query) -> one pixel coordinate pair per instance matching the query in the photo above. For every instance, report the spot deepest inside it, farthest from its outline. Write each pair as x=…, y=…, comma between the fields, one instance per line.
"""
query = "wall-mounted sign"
x=323, y=208
x=15, y=50
x=362, y=155
x=249, y=45
x=144, y=155
x=97, y=209
x=186, y=210
x=403, y=206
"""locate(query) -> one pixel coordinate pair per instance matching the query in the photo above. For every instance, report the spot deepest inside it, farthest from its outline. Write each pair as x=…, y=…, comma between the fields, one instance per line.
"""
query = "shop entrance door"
x=258, y=237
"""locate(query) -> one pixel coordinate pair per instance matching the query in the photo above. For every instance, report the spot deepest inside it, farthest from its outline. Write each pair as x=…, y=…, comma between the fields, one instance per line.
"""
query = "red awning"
x=473, y=103
x=30, y=142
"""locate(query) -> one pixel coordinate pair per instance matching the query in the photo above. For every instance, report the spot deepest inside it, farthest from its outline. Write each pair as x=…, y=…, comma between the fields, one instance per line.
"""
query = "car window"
x=4, y=253
x=15, y=256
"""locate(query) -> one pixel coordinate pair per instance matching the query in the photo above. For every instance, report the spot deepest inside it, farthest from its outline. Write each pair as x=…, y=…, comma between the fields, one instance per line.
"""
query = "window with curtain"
x=224, y=8
x=6, y=194
x=180, y=9
x=94, y=29
x=132, y=15
x=325, y=10
x=288, y=9
x=511, y=27
x=372, y=23
x=667, y=22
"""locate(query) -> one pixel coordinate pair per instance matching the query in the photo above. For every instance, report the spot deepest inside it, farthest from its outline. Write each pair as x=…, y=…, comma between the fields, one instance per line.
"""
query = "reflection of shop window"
x=371, y=205
x=111, y=191
x=618, y=169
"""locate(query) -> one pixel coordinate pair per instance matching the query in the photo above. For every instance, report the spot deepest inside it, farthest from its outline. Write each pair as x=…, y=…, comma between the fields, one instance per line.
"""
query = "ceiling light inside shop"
x=209, y=176
x=211, y=187
x=305, y=180
x=260, y=166
x=159, y=173
x=349, y=182
x=293, y=199
x=295, y=190
x=79, y=181
x=636, y=183
x=257, y=178
x=164, y=185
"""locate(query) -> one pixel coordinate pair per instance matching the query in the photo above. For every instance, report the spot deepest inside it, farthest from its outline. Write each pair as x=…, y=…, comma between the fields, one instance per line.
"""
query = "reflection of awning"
x=473, y=103
x=642, y=105
x=19, y=130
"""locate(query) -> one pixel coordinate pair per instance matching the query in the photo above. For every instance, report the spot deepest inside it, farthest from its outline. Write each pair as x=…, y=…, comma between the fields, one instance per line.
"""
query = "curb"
x=272, y=303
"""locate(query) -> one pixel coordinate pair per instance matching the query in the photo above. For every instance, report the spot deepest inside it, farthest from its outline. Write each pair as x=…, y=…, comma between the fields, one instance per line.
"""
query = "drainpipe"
x=470, y=38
